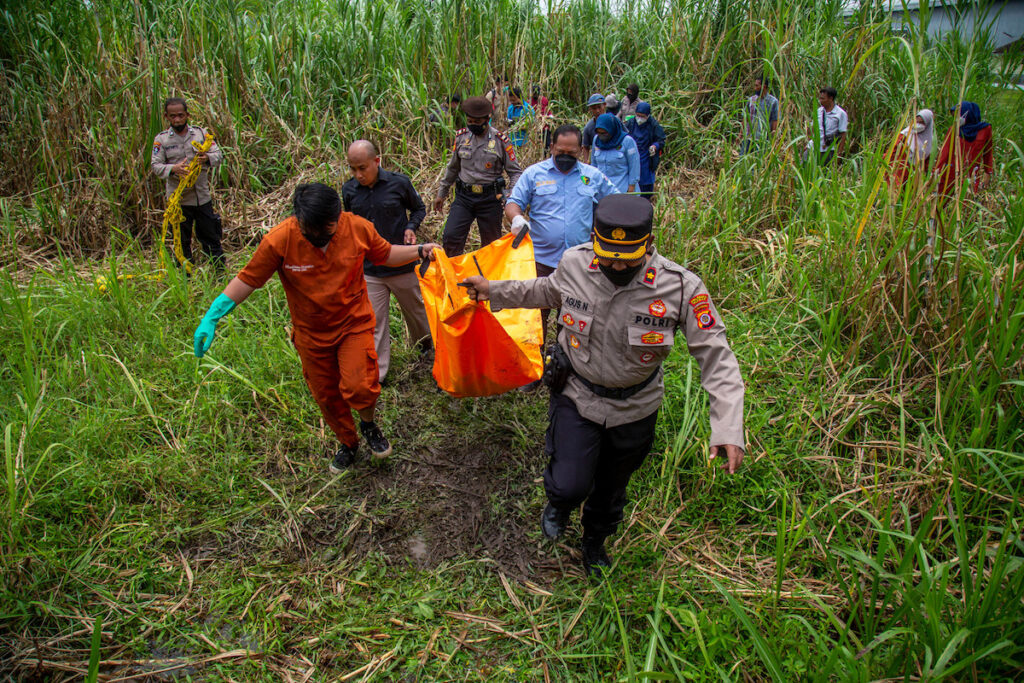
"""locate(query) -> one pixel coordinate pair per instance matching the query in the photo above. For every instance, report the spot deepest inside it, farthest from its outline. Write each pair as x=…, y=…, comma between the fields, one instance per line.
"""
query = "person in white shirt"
x=832, y=124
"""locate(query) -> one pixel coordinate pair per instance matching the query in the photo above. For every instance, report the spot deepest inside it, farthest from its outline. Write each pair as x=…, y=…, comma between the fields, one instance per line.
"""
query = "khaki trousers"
x=406, y=289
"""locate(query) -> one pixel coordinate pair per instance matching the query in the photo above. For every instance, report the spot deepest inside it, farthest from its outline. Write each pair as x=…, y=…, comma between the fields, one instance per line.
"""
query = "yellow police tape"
x=173, y=217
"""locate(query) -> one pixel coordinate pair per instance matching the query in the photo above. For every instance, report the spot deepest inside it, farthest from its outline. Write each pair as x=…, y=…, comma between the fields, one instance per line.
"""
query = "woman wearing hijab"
x=615, y=153
x=967, y=149
x=650, y=140
x=913, y=149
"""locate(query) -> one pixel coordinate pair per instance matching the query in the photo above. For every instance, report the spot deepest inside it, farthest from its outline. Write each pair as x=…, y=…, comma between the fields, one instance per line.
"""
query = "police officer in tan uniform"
x=172, y=153
x=480, y=156
x=620, y=305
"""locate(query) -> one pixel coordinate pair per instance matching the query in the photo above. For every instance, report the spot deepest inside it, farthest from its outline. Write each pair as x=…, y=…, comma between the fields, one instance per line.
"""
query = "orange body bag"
x=478, y=352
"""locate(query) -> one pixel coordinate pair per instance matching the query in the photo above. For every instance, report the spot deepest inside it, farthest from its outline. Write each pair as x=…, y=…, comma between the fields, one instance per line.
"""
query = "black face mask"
x=319, y=241
x=180, y=129
x=621, y=278
x=477, y=128
x=564, y=162
x=605, y=137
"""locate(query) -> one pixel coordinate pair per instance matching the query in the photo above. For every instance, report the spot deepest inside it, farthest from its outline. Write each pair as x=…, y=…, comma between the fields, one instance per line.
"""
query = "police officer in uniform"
x=620, y=305
x=172, y=154
x=480, y=157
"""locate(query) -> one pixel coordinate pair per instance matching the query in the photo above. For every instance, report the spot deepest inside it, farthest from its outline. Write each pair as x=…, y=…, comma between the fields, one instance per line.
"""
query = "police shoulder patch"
x=651, y=275
x=705, y=320
x=594, y=265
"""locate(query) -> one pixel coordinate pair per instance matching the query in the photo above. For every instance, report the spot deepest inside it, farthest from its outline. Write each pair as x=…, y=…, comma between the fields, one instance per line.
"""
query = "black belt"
x=617, y=393
x=491, y=188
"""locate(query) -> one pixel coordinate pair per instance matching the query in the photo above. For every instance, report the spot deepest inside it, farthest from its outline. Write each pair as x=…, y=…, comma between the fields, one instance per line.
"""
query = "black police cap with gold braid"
x=622, y=224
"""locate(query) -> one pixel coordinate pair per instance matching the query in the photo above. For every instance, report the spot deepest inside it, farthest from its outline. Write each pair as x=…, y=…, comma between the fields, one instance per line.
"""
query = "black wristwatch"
x=419, y=250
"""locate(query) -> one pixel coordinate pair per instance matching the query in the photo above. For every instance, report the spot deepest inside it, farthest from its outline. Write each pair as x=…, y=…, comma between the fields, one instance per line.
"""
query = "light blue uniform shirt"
x=621, y=165
x=561, y=206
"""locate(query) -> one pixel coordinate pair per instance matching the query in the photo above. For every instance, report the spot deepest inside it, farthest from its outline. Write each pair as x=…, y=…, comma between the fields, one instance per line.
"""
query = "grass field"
x=167, y=517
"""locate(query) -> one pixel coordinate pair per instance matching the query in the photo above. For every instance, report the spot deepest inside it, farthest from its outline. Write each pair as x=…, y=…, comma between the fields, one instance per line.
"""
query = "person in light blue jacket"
x=615, y=153
x=520, y=114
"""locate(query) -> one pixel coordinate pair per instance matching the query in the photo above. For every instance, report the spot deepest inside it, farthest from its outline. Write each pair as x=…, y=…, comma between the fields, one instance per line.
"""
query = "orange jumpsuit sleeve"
x=263, y=264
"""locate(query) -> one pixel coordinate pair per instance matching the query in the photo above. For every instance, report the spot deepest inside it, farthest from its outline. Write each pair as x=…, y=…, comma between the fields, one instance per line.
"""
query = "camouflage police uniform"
x=169, y=148
x=476, y=168
x=602, y=423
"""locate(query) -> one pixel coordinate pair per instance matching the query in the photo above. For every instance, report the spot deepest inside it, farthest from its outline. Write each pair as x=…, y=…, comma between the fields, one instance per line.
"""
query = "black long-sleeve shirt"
x=393, y=206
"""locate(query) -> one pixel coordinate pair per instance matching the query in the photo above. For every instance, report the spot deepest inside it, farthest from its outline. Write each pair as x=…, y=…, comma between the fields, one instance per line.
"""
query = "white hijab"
x=919, y=145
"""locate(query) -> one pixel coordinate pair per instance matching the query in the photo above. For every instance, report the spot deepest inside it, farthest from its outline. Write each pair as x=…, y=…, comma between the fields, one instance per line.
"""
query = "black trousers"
x=485, y=209
x=588, y=462
x=208, y=229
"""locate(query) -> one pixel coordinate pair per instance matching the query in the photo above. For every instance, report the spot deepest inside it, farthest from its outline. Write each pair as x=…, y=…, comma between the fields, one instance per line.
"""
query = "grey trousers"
x=406, y=289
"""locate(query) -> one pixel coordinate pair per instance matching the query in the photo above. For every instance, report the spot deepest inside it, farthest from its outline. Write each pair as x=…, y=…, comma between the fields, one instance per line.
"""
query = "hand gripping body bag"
x=479, y=352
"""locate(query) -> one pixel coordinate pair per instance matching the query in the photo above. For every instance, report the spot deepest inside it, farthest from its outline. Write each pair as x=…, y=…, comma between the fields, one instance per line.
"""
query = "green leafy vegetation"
x=162, y=513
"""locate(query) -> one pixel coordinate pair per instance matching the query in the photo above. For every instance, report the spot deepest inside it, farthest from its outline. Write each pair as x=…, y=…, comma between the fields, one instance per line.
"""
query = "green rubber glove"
x=203, y=338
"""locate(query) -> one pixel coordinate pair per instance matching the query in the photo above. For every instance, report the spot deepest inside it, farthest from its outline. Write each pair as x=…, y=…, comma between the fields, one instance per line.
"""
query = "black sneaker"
x=343, y=459
x=379, y=445
x=553, y=521
x=426, y=349
x=596, y=562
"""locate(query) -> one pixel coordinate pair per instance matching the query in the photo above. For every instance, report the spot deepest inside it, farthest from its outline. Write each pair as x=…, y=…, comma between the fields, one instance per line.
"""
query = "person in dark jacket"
x=650, y=142
x=389, y=201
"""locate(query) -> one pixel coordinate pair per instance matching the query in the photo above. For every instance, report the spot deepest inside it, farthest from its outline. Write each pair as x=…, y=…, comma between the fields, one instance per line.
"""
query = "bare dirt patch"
x=440, y=504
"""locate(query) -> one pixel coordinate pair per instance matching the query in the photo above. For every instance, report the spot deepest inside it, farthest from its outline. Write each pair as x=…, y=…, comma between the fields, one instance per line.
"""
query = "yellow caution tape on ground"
x=173, y=218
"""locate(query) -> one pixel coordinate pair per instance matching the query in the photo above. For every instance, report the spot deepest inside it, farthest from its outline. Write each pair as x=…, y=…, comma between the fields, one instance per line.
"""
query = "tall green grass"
x=874, y=532
x=284, y=85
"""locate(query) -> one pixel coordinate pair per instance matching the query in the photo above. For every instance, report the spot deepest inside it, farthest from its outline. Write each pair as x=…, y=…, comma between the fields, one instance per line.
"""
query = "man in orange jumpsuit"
x=318, y=255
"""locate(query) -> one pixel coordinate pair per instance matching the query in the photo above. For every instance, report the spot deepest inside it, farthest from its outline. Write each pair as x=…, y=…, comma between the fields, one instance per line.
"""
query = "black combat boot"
x=596, y=562
x=553, y=522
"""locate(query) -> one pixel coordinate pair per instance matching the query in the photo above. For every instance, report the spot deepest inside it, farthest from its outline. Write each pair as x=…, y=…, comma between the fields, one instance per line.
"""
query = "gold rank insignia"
x=618, y=234
x=490, y=144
